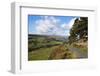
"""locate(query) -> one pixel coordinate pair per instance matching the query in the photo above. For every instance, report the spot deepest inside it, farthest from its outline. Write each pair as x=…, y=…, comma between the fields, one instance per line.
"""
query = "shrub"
x=61, y=52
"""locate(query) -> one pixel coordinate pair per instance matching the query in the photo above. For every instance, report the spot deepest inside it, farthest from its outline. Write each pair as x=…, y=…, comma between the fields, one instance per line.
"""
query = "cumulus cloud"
x=49, y=25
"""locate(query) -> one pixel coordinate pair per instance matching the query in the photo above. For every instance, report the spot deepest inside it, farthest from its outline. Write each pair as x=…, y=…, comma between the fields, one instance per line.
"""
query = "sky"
x=50, y=25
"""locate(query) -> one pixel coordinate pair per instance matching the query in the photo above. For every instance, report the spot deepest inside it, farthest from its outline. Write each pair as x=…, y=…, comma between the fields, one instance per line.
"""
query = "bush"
x=61, y=52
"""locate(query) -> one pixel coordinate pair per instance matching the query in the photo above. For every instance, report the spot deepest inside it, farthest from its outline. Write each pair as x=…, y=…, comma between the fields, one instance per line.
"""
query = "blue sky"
x=50, y=25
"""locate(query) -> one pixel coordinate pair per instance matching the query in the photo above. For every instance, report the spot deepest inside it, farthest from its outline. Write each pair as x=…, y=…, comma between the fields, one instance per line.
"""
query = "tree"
x=79, y=29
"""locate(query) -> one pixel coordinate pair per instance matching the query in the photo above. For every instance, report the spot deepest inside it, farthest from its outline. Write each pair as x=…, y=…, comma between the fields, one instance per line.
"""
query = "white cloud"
x=68, y=25
x=49, y=25
x=71, y=23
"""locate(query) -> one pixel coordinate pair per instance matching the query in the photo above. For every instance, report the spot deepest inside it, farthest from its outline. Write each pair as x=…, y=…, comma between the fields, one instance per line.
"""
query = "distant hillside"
x=49, y=37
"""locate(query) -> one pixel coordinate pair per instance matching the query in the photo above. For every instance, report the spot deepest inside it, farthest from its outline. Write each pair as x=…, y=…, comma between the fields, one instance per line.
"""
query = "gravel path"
x=78, y=53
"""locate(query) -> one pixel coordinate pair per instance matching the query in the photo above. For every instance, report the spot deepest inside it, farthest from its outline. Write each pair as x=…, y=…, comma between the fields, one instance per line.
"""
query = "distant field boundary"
x=43, y=46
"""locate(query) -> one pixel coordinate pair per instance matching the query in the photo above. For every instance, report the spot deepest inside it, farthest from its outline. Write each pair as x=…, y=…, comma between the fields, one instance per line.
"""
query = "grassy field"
x=40, y=47
x=53, y=48
x=40, y=54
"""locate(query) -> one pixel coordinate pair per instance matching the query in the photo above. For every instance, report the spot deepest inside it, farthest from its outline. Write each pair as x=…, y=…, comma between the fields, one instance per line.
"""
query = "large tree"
x=79, y=29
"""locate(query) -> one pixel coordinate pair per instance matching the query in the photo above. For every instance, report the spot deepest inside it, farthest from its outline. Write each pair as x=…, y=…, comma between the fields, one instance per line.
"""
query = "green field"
x=40, y=54
x=40, y=48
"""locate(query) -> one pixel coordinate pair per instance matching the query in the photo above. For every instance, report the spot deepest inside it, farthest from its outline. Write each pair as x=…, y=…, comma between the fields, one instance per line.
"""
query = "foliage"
x=79, y=29
x=61, y=52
